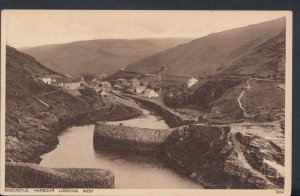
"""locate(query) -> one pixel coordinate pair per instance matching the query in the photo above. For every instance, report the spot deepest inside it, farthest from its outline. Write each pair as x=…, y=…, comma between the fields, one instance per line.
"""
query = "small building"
x=50, y=79
x=122, y=82
x=150, y=93
x=46, y=80
x=68, y=83
x=97, y=89
x=93, y=83
x=191, y=82
x=140, y=89
x=72, y=85
x=106, y=84
x=134, y=82
x=173, y=91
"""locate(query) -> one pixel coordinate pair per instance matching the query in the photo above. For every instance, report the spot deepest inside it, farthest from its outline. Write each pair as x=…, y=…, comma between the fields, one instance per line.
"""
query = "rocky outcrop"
x=202, y=97
x=266, y=156
x=34, y=176
x=209, y=155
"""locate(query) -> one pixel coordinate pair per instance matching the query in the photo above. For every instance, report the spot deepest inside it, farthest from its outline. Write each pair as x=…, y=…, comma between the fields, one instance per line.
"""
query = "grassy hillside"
x=103, y=56
x=246, y=50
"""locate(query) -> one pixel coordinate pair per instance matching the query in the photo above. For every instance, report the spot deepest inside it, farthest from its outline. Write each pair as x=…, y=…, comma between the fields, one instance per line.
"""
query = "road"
x=49, y=92
x=252, y=78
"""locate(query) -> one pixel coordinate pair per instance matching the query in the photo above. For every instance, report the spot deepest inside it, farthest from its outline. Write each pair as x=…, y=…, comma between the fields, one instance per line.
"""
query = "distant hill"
x=256, y=49
x=102, y=56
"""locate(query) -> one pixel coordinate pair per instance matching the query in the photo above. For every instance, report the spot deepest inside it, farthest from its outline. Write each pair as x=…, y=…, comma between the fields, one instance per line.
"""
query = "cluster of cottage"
x=66, y=82
x=136, y=86
x=102, y=87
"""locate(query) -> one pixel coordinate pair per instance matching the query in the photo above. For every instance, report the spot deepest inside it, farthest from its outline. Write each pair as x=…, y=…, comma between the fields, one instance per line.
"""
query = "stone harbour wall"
x=129, y=138
x=173, y=120
x=30, y=175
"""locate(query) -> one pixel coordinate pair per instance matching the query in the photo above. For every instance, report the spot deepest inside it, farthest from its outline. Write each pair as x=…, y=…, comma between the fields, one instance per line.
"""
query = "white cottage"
x=191, y=82
x=46, y=80
x=149, y=93
x=140, y=89
x=50, y=79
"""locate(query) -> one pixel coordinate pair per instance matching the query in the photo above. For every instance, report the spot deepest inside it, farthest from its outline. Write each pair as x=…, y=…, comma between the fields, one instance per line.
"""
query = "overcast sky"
x=31, y=28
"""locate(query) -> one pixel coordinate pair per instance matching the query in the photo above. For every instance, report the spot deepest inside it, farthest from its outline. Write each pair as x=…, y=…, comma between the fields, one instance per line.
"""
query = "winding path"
x=241, y=96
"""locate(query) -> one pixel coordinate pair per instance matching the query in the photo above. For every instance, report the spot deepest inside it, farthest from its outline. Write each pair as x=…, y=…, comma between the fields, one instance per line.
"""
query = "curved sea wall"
x=172, y=119
x=124, y=138
x=34, y=176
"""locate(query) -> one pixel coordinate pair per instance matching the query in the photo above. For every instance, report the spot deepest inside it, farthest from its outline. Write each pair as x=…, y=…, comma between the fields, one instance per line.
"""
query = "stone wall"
x=27, y=175
x=170, y=118
x=129, y=138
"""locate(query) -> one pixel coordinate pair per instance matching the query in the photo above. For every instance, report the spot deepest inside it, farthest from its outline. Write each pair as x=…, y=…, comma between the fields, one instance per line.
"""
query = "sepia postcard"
x=146, y=102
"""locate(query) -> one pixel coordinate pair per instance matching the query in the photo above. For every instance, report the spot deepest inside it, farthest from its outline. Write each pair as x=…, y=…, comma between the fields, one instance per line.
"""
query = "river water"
x=76, y=149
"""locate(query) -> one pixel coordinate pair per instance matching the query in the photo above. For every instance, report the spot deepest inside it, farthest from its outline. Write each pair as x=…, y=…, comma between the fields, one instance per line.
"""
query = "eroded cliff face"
x=219, y=158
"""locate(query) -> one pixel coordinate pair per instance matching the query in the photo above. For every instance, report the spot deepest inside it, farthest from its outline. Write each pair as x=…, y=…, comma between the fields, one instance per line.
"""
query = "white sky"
x=39, y=27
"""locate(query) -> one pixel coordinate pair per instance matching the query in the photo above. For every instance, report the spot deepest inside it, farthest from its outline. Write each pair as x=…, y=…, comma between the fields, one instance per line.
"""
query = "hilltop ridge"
x=236, y=51
x=101, y=56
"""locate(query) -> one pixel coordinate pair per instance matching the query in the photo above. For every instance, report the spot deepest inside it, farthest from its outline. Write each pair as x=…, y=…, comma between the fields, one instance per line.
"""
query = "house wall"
x=106, y=84
x=134, y=83
x=72, y=86
x=150, y=93
x=191, y=82
x=140, y=89
x=46, y=80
